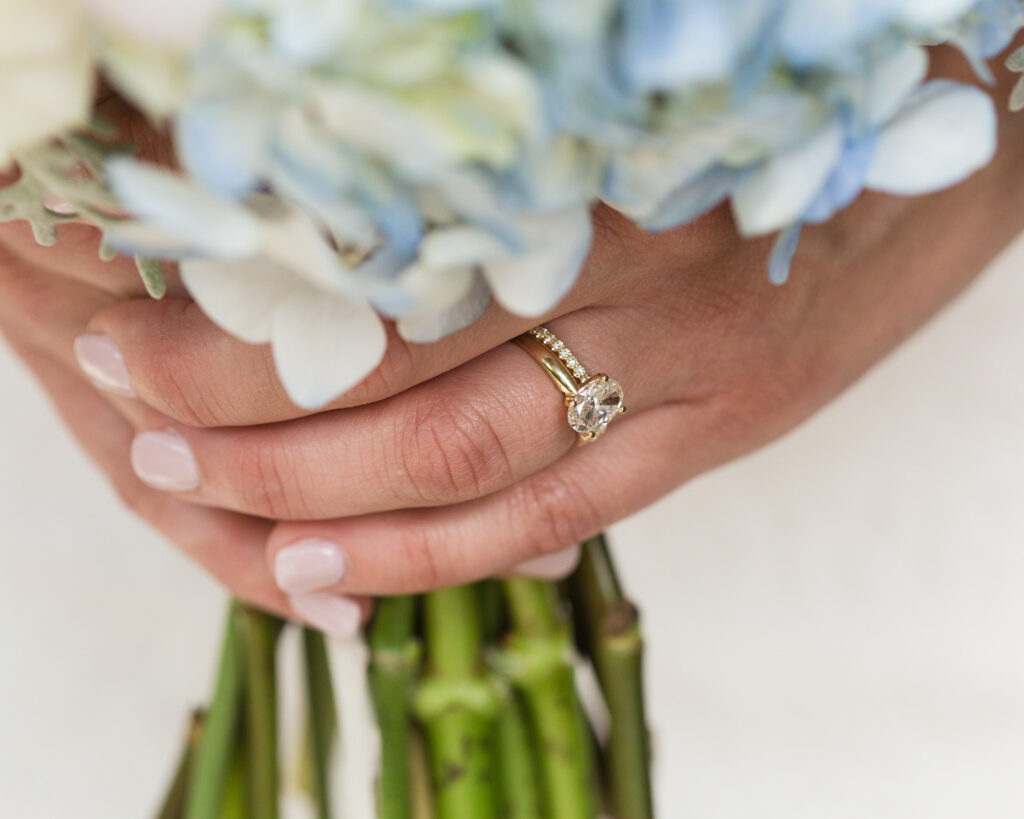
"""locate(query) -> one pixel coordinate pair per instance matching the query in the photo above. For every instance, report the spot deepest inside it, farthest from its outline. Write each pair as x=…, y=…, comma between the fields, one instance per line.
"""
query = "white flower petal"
x=776, y=193
x=923, y=13
x=891, y=80
x=183, y=209
x=437, y=321
x=460, y=245
x=535, y=281
x=293, y=240
x=179, y=24
x=324, y=345
x=46, y=72
x=354, y=780
x=239, y=297
x=944, y=132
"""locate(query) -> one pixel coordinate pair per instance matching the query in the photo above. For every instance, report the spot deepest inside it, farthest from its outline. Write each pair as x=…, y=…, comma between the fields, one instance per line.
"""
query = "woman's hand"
x=454, y=460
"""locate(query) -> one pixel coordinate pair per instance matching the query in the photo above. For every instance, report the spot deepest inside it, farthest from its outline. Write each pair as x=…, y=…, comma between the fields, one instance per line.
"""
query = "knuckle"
x=556, y=511
x=135, y=496
x=452, y=453
x=181, y=394
x=165, y=363
x=420, y=549
x=268, y=483
x=395, y=373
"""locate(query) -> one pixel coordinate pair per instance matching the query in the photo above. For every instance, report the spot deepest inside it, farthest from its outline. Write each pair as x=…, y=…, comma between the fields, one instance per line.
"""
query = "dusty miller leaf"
x=24, y=200
x=152, y=273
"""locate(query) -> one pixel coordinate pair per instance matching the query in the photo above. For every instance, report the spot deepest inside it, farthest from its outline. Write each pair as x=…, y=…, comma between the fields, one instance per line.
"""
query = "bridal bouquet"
x=342, y=163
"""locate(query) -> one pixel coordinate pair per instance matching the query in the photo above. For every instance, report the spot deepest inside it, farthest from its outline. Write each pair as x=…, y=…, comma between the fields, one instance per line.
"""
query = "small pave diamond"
x=594, y=406
x=557, y=345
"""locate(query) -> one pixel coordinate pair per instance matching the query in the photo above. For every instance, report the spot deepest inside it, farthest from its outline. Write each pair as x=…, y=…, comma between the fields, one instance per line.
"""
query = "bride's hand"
x=454, y=460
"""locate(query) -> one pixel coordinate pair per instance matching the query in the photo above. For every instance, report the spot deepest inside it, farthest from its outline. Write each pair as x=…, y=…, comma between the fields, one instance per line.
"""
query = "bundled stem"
x=422, y=797
x=173, y=806
x=520, y=796
x=259, y=632
x=234, y=803
x=609, y=626
x=322, y=717
x=538, y=657
x=210, y=762
x=393, y=666
x=457, y=705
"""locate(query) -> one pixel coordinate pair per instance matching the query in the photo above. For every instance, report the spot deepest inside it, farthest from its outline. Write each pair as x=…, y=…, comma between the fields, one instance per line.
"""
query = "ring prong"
x=623, y=409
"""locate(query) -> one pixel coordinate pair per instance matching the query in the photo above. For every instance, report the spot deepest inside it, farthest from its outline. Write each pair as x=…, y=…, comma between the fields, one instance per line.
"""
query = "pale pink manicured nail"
x=308, y=565
x=163, y=459
x=57, y=205
x=100, y=359
x=554, y=566
x=334, y=615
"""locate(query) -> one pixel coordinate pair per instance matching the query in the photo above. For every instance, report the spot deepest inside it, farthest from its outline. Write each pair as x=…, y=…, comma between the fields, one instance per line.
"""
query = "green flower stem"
x=422, y=795
x=322, y=717
x=458, y=705
x=393, y=666
x=259, y=633
x=210, y=762
x=520, y=795
x=610, y=630
x=173, y=806
x=234, y=804
x=538, y=658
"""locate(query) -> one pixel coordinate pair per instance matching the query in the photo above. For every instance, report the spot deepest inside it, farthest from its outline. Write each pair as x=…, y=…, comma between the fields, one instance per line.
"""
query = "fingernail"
x=57, y=205
x=553, y=566
x=337, y=616
x=100, y=359
x=309, y=564
x=164, y=460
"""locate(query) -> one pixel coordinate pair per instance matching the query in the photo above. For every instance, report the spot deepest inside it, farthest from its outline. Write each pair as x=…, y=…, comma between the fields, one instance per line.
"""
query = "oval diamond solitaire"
x=592, y=402
x=592, y=408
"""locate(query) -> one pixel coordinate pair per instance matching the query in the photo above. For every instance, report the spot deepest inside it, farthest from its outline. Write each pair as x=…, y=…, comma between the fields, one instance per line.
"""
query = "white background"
x=836, y=624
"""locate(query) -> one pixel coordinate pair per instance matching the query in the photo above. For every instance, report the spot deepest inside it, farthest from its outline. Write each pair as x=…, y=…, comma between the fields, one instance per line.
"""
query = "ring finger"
x=470, y=432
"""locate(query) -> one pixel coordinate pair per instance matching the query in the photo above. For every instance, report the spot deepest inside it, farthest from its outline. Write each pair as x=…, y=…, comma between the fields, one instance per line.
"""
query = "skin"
x=453, y=460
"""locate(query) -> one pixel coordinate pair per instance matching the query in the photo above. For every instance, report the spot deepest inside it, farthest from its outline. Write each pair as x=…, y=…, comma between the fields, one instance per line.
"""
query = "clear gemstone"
x=580, y=373
x=558, y=345
x=594, y=406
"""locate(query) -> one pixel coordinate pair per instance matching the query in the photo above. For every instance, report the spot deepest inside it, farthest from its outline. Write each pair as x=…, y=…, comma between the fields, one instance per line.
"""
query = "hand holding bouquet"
x=345, y=209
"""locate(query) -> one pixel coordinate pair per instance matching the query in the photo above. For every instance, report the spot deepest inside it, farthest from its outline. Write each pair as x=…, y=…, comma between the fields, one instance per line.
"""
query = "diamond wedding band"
x=592, y=401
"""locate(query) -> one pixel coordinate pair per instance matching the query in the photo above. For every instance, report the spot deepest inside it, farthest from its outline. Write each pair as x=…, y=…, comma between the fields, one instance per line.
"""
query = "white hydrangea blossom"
x=424, y=155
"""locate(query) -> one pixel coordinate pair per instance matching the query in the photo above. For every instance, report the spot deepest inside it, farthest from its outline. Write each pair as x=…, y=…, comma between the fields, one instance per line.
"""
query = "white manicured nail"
x=309, y=564
x=552, y=566
x=163, y=459
x=334, y=615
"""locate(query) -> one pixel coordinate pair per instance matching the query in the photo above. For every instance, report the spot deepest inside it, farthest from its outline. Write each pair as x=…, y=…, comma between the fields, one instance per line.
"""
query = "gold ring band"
x=592, y=401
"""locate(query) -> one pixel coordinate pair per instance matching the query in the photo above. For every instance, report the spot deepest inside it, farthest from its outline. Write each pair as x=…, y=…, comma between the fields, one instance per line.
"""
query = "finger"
x=555, y=566
x=46, y=313
x=185, y=367
x=466, y=434
x=76, y=256
x=228, y=545
x=417, y=550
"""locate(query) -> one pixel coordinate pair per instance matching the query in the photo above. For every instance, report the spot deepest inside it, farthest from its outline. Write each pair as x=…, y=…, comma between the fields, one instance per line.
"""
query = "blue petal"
x=221, y=142
x=694, y=198
x=782, y=254
x=846, y=180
